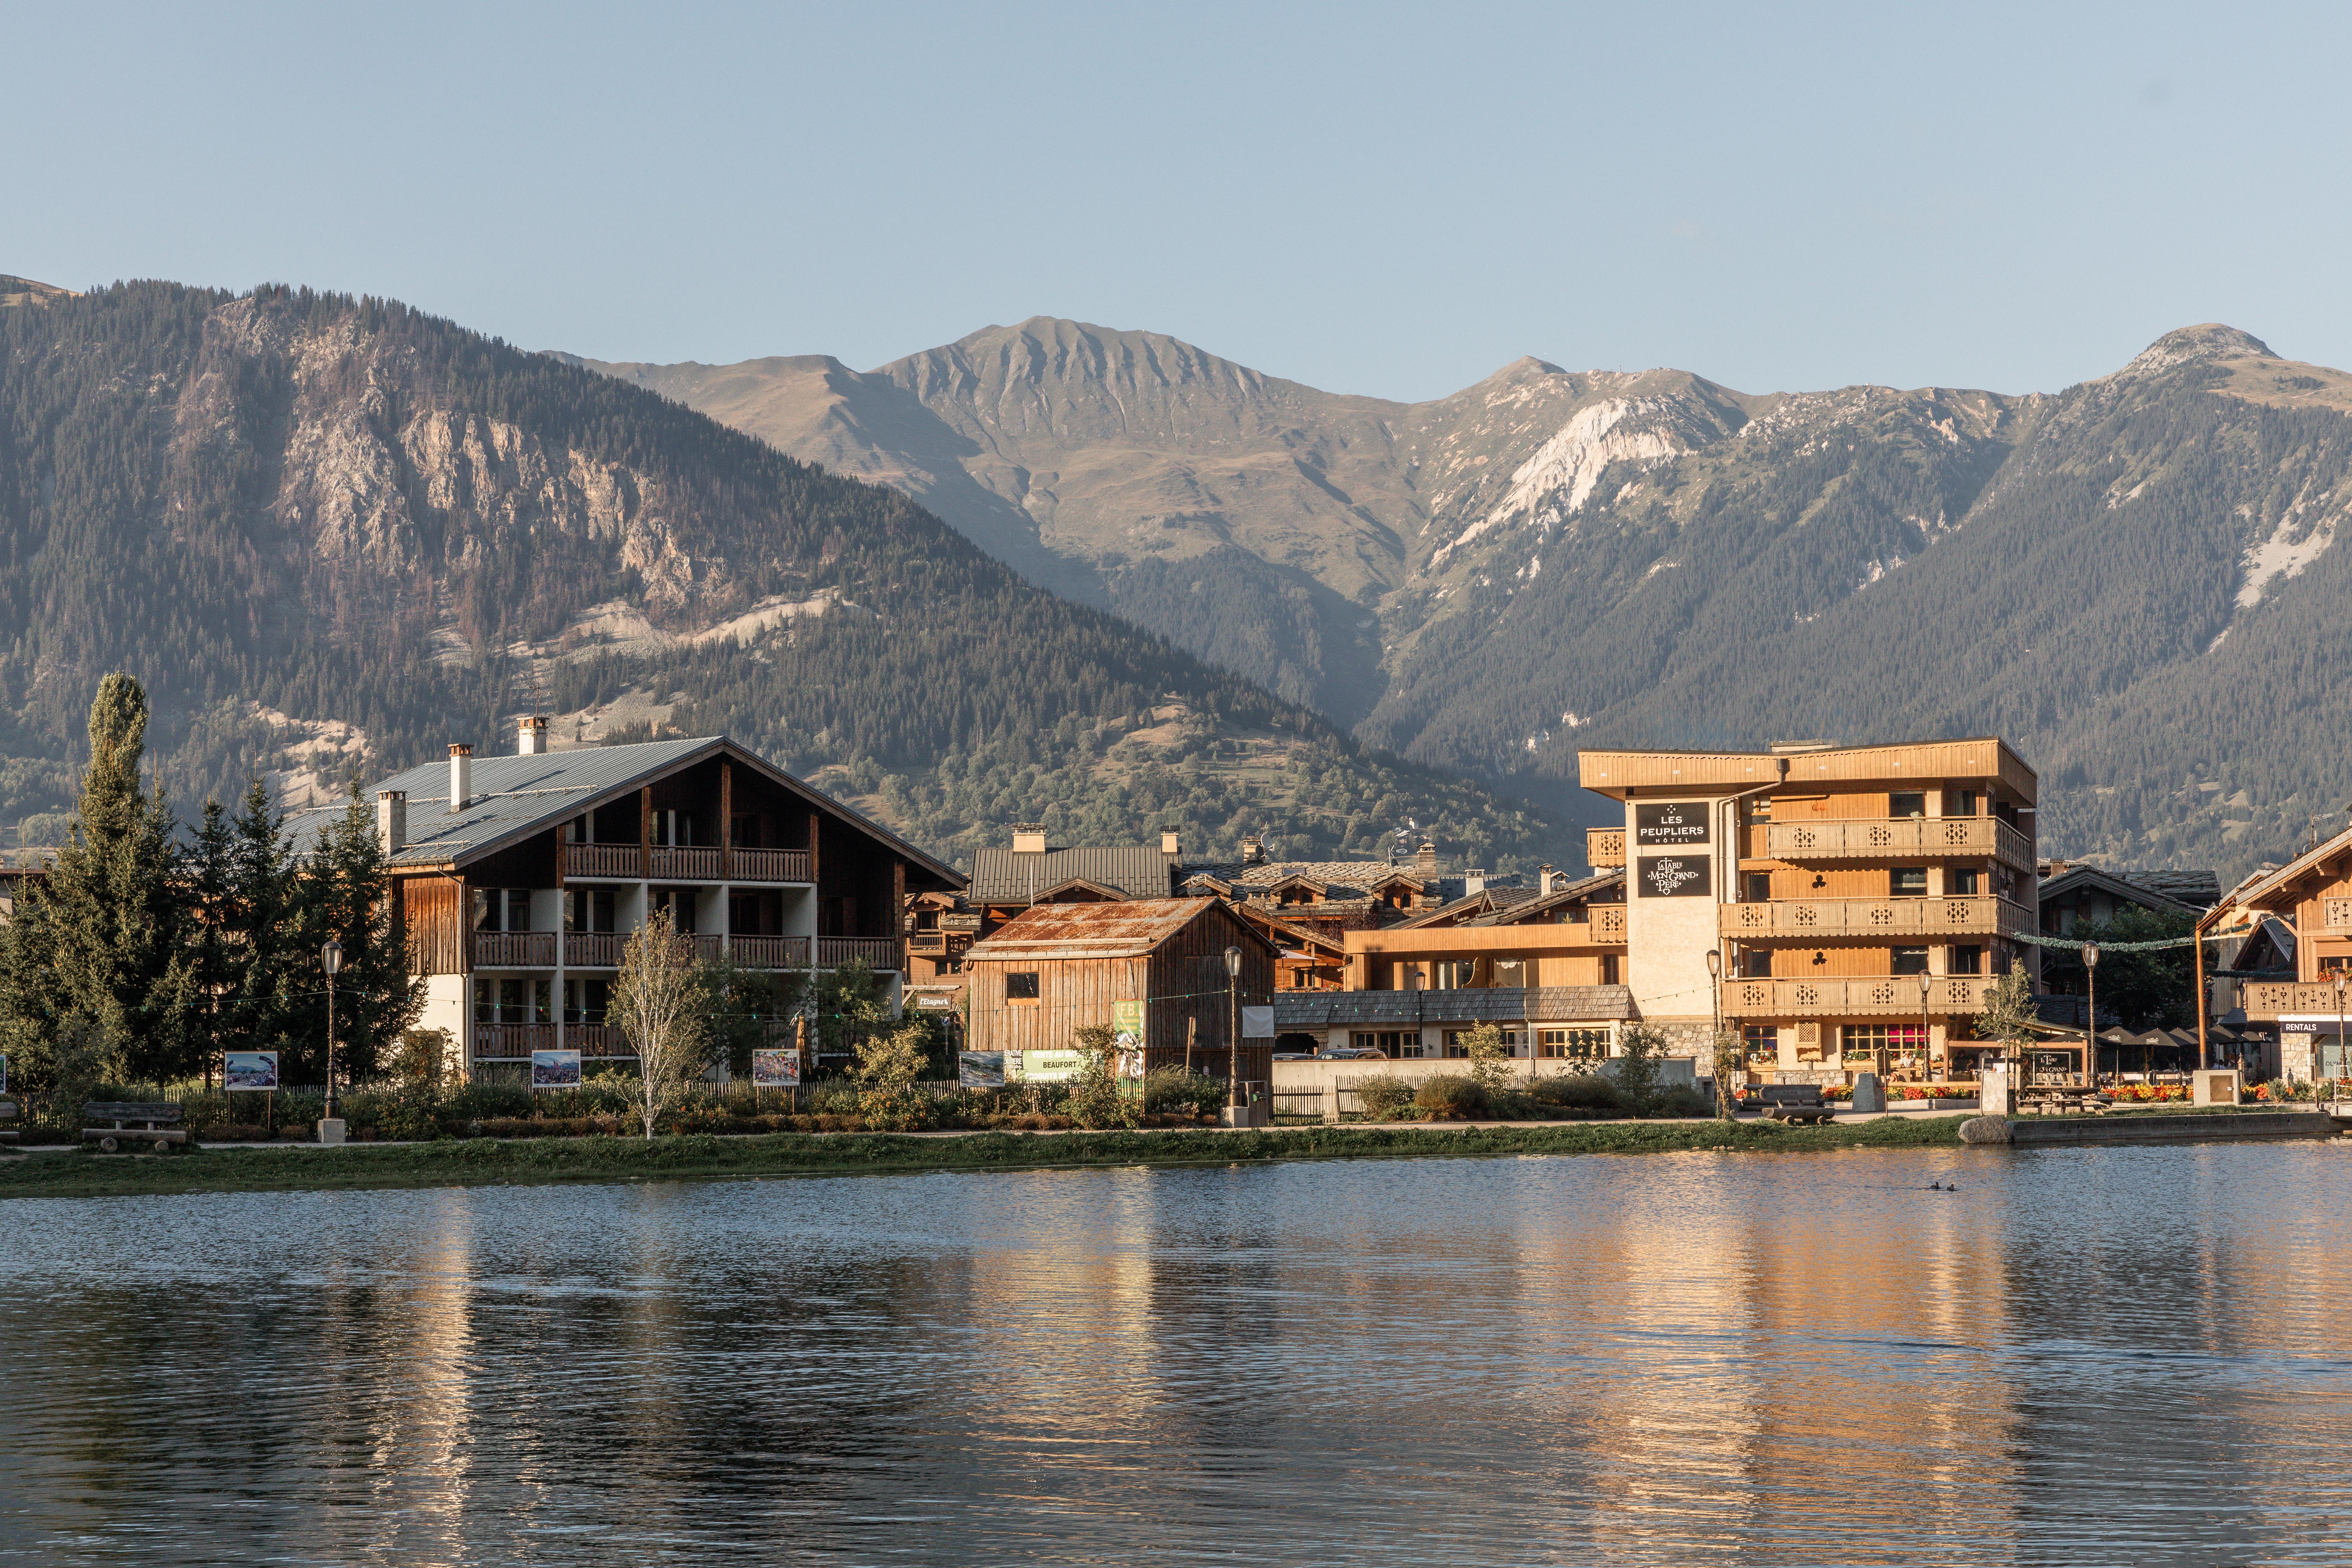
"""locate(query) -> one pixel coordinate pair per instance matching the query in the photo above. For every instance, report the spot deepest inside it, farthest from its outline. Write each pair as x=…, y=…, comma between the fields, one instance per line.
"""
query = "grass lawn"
x=460, y=1162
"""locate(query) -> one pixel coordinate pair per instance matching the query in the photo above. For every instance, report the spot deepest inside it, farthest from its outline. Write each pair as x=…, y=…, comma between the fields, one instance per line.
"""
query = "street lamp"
x=2339, y=1033
x=2091, y=1025
x=1714, y=1040
x=1234, y=1025
x=1926, y=1063
x=331, y=959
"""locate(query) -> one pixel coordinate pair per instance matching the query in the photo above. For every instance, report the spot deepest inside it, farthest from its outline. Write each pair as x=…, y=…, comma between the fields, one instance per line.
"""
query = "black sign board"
x=1670, y=823
x=1673, y=877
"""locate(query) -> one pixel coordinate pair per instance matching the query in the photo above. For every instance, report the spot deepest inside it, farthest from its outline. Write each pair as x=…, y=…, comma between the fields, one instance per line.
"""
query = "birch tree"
x=659, y=1001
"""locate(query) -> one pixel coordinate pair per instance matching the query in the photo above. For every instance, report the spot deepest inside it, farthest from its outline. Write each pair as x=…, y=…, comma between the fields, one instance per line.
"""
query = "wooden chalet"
x=2311, y=897
x=1054, y=969
x=518, y=878
x=1007, y=881
x=1307, y=959
x=1572, y=935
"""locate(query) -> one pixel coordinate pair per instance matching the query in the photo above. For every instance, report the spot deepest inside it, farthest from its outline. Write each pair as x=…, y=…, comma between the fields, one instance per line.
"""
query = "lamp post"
x=1714, y=1037
x=331, y=959
x=1233, y=1025
x=1926, y=1063
x=2339, y=1033
x=2091, y=1024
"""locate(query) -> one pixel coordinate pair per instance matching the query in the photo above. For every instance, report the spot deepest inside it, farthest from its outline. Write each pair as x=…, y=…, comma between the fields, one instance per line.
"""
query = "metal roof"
x=1528, y=911
x=1362, y=875
x=1129, y=928
x=1001, y=875
x=2145, y=891
x=1494, y=1005
x=514, y=797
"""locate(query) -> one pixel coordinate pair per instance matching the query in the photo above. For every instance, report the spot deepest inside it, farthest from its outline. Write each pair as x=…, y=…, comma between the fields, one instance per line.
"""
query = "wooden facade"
x=1056, y=969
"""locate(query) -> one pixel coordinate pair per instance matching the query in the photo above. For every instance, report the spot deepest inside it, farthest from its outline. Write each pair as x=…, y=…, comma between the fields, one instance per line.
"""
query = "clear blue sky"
x=1367, y=198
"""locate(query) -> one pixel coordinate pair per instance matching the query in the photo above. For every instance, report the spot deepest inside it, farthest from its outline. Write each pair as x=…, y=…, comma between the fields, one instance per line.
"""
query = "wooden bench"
x=152, y=1119
x=1795, y=1102
x=2053, y=1101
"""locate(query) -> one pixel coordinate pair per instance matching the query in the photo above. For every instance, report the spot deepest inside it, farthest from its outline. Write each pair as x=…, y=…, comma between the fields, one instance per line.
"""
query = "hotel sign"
x=1674, y=876
x=1669, y=824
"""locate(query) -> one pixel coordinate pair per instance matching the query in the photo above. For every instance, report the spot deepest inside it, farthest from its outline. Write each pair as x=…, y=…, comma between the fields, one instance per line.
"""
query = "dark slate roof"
x=1001, y=875
x=1496, y=1004
x=2202, y=889
x=1531, y=910
x=514, y=797
x=2198, y=889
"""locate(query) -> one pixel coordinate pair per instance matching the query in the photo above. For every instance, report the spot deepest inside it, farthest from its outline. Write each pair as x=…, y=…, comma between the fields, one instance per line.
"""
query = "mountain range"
x=2131, y=578
x=333, y=534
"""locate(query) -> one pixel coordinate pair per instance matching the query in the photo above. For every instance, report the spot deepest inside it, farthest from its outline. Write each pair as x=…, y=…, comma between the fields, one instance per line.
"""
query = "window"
x=501, y=908
x=1511, y=972
x=1455, y=1046
x=1021, y=986
x=1753, y=963
x=589, y=910
x=1963, y=881
x=585, y=1000
x=1907, y=881
x=1760, y=808
x=1907, y=802
x=1572, y=1045
x=1960, y=803
x=1910, y=960
x=679, y=902
x=1762, y=1043
x=1967, y=961
x=1608, y=970
x=513, y=1001
x=1864, y=1039
x=1404, y=1045
x=1756, y=887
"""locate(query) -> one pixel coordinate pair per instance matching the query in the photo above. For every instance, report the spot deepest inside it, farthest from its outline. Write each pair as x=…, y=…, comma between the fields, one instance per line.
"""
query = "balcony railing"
x=510, y=1042
x=1604, y=846
x=662, y=864
x=631, y=863
x=514, y=949
x=1868, y=920
x=597, y=1040
x=2271, y=1000
x=874, y=952
x=1891, y=838
x=594, y=949
x=928, y=944
x=769, y=952
x=1609, y=923
x=1889, y=996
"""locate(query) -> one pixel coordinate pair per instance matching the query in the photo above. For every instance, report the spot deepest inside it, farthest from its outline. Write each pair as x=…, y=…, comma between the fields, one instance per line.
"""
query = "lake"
x=2080, y=1356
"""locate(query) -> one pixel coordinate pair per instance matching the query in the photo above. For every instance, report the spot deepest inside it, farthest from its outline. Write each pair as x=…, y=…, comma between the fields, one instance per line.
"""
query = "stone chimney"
x=1474, y=882
x=1544, y=881
x=1252, y=851
x=461, y=776
x=392, y=820
x=1167, y=842
x=1028, y=838
x=530, y=735
x=1425, y=861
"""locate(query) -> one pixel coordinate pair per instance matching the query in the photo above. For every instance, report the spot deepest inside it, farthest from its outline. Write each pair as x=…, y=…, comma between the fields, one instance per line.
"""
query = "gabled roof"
x=1283, y=932
x=2272, y=884
x=1529, y=912
x=515, y=797
x=1001, y=876
x=1129, y=928
x=2083, y=878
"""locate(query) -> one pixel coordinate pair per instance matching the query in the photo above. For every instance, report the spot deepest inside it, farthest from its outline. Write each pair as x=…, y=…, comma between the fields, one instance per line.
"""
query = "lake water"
x=2113, y=1355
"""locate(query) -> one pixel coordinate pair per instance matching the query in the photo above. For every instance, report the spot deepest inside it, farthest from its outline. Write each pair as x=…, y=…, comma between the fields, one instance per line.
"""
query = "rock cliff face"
x=1551, y=558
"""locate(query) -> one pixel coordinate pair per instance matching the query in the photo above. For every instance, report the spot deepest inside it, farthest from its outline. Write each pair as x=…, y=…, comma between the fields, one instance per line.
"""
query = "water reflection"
x=2096, y=1355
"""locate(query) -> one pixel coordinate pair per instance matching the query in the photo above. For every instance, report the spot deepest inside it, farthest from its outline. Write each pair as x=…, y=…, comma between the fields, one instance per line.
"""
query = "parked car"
x=1346, y=1054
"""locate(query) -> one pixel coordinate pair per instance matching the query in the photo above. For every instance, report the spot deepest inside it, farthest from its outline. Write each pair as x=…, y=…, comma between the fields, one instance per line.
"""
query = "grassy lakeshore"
x=481, y=1160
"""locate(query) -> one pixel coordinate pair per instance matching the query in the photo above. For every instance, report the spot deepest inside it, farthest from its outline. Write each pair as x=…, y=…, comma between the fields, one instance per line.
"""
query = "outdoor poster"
x=1667, y=825
x=249, y=1069
x=980, y=1070
x=1257, y=1023
x=1127, y=1030
x=1672, y=876
x=555, y=1069
x=4, y=1072
x=776, y=1069
x=1043, y=1067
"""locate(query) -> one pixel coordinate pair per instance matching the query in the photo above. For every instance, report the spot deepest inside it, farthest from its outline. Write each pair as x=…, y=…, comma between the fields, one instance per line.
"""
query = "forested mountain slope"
x=2131, y=578
x=329, y=534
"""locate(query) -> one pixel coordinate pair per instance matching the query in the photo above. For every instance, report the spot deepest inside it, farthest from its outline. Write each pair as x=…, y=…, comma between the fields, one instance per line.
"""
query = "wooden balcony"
x=514, y=949
x=593, y=1040
x=628, y=862
x=1900, y=837
x=1608, y=923
x=1604, y=848
x=769, y=952
x=512, y=1042
x=1871, y=920
x=592, y=949
x=1863, y=996
x=928, y=944
x=874, y=952
x=2268, y=1001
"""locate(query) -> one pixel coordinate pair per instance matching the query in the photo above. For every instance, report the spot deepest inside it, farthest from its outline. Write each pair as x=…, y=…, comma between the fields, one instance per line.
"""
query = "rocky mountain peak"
x=2201, y=344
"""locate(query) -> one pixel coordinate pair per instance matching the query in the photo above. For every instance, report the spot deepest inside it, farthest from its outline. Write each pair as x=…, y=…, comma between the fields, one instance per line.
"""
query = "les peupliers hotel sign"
x=1671, y=825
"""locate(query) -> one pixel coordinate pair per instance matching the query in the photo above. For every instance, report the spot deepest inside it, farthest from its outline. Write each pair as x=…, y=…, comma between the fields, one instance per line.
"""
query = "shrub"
x=1382, y=1096
x=1680, y=1099
x=1490, y=1059
x=1578, y=1091
x=1640, y=1046
x=1096, y=1099
x=1452, y=1099
x=477, y=1101
x=1167, y=1090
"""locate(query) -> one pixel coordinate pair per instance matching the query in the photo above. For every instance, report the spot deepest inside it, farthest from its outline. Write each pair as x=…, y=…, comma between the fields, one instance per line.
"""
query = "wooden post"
x=2196, y=986
x=1192, y=1025
x=646, y=831
x=814, y=820
x=726, y=821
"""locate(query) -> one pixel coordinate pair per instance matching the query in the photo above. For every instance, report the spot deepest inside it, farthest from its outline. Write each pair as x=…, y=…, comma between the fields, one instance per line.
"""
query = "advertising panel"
x=555, y=1069
x=1673, y=877
x=776, y=1069
x=249, y=1069
x=980, y=1070
x=1669, y=824
x=1257, y=1023
x=1043, y=1066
